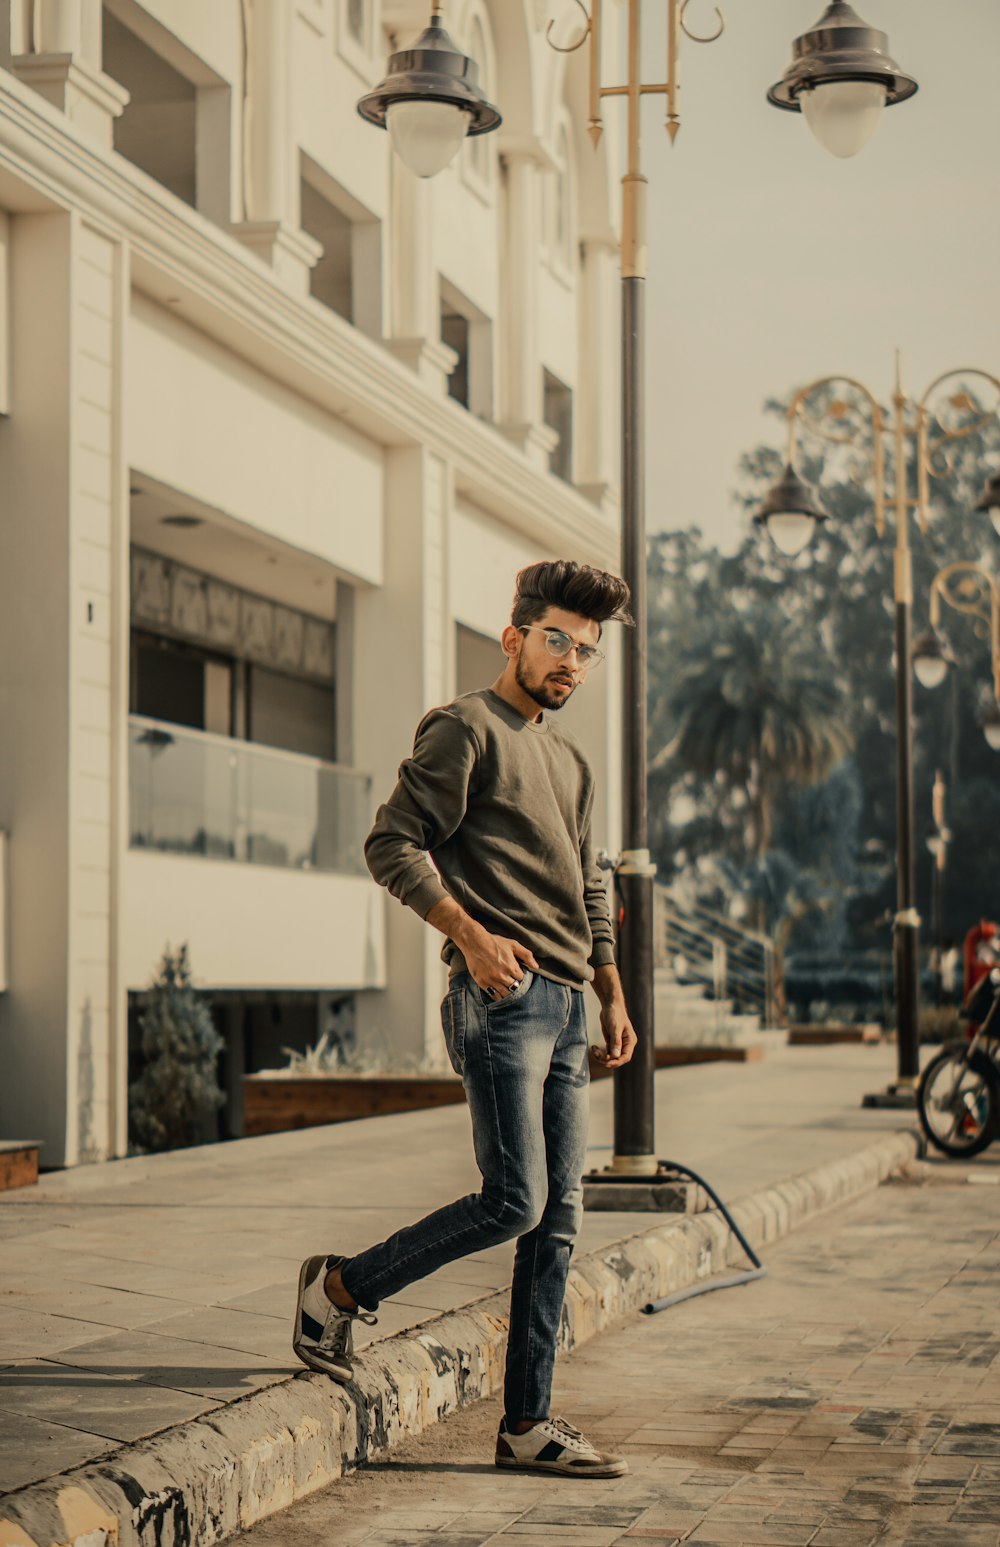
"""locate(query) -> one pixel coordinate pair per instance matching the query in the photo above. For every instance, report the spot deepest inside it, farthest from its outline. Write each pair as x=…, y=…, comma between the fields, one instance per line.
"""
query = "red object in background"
x=982, y=947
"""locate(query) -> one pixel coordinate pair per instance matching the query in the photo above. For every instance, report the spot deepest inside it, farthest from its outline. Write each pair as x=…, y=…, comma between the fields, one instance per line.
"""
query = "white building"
x=279, y=424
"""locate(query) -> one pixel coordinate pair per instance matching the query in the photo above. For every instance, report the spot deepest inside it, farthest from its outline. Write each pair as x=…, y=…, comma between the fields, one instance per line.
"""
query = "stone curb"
x=202, y=1481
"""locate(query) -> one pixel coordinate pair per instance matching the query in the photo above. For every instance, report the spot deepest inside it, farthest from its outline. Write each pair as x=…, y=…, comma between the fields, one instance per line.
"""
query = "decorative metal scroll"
x=970, y=589
x=842, y=412
x=949, y=412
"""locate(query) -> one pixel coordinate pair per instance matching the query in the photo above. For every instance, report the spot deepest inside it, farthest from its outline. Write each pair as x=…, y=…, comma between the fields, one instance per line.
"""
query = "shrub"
x=178, y=1088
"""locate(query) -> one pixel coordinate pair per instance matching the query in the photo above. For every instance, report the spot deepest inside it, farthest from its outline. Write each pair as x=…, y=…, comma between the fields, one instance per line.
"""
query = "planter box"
x=18, y=1163
x=823, y=1036
x=676, y=1057
x=272, y=1104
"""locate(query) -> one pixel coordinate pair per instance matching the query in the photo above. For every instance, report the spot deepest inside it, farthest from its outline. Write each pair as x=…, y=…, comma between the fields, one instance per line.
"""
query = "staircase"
x=713, y=983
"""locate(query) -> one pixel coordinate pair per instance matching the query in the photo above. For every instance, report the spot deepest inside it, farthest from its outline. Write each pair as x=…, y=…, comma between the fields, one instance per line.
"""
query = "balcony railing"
x=192, y=793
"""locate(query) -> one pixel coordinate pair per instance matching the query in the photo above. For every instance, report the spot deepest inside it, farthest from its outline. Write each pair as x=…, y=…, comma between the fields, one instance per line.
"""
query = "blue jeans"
x=523, y=1063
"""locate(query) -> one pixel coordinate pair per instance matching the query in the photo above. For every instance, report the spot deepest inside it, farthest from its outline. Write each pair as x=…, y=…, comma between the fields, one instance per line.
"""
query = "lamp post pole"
x=906, y=926
x=634, y=1116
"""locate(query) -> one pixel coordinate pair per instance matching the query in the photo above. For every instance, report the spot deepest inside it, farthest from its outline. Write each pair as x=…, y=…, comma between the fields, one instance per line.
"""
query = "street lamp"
x=840, y=78
x=430, y=100
x=845, y=414
x=426, y=76
x=971, y=589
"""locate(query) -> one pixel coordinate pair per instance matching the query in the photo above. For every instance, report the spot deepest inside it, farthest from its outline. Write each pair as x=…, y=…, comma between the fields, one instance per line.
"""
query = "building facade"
x=278, y=424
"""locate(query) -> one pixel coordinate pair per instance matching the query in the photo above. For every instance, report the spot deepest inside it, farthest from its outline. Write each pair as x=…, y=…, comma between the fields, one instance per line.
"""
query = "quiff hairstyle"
x=593, y=593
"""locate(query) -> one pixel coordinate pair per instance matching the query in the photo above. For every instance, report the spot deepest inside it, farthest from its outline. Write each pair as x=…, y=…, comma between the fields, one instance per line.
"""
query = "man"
x=502, y=800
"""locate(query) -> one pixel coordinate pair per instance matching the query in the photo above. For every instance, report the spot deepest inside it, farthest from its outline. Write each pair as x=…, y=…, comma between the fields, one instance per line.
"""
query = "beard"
x=544, y=695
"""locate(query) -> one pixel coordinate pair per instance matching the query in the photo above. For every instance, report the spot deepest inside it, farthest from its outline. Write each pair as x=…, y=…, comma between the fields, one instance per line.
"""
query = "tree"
x=178, y=1087
x=756, y=705
x=837, y=597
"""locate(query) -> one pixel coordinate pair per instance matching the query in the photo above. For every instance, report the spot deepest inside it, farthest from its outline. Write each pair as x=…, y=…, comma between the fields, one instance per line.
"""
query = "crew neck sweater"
x=503, y=807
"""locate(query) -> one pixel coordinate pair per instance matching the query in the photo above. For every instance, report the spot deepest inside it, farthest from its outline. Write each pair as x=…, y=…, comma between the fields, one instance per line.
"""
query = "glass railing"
x=191, y=793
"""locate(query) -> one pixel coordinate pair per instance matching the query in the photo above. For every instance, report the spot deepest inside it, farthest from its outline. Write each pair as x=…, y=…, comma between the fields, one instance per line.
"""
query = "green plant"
x=178, y=1088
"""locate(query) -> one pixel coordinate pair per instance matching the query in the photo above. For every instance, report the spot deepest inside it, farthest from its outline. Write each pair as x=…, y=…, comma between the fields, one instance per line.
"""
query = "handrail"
x=729, y=959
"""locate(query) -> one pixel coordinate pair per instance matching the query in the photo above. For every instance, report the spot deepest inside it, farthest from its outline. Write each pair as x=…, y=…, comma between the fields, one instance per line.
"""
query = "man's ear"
x=509, y=641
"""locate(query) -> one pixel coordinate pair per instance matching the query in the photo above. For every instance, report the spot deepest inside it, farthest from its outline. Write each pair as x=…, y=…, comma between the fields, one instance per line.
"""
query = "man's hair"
x=593, y=593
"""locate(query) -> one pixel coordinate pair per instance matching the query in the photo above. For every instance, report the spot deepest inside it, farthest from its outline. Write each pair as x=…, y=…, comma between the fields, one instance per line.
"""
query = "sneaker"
x=324, y=1334
x=555, y=1446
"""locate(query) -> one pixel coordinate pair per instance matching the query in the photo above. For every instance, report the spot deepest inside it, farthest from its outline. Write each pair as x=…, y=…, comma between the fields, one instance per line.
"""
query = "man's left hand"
x=619, y=1037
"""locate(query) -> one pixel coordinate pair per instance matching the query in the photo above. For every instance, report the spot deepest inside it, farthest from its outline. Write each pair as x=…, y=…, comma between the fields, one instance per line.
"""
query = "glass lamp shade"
x=991, y=730
x=790, y=531
x=426, y=135
x=931, y=670
x=843, y=115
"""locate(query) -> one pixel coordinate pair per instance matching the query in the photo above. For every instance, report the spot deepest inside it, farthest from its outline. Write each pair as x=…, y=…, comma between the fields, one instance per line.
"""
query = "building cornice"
x=204, y=275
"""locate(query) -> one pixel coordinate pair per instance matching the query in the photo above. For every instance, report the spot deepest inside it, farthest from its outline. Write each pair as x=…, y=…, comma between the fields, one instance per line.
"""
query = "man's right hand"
x=495, y=963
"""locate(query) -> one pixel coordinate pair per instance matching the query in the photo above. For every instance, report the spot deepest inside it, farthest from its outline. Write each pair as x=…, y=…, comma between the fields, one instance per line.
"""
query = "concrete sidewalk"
x=141, y=1296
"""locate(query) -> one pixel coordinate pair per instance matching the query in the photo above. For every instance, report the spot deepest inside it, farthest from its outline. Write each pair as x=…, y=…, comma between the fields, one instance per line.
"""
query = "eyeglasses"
x=559, y=644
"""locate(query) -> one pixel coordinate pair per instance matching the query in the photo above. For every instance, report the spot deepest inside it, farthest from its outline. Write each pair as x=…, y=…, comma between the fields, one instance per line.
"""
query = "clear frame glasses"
x=559, y=645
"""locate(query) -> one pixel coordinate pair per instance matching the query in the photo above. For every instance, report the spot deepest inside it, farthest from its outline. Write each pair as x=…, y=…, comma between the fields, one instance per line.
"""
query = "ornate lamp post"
x=833, y=64
x=845, y=414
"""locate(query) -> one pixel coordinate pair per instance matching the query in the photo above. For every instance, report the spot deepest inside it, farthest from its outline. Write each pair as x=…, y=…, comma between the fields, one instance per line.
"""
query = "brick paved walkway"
x=851, y=1398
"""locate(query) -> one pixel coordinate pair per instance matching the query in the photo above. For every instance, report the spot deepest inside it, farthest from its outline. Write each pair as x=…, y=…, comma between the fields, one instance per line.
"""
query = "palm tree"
x=757, y=705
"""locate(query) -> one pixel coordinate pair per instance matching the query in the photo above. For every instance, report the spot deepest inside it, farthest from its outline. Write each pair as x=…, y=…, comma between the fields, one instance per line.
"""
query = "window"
x=558, y=414
x=455, y=333
x=348, y=277
x=479, y=147
x=220, y=659
x=331, y=280
x=469, y=332
x=157, y=130
x=175, y=126
x=561, y=216
x=357, y=22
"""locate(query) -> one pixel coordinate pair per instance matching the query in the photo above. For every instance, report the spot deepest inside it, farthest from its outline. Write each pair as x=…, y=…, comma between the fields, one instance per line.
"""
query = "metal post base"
x=660, y=1191
x=902, y=1096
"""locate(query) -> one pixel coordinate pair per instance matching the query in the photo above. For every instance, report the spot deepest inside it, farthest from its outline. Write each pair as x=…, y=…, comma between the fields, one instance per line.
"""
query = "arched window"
x=357, y=22
x=480, y=153
x=561, y=226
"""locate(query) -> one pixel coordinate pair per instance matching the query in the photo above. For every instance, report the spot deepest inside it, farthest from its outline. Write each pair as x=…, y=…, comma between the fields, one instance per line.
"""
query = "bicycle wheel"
x=958, y=1100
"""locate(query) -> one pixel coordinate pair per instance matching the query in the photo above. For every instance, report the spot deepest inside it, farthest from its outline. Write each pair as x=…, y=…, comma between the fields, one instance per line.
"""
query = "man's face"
x=552, y=680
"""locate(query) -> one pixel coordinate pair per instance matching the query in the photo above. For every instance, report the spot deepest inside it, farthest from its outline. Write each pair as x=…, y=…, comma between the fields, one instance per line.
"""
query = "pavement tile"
x=32, y=1449
x=93, y=1402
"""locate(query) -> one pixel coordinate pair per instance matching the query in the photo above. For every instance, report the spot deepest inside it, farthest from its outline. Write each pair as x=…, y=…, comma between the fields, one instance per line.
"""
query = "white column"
x=403, y=654
x=598, y=408
x=415, y=305
x=522, y=420
x=63, y=683
x=58, y=52
x=271, y=224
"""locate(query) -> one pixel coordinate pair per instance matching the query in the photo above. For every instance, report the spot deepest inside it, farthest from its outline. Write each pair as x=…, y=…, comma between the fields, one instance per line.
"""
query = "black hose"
x=733, y=1281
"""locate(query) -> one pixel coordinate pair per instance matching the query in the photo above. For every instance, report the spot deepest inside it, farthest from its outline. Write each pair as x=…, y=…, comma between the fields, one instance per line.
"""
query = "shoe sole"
x=616, y=1470
x=300, y=1349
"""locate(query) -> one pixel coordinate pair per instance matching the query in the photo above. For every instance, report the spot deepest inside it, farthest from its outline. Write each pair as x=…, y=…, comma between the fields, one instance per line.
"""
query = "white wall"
x=248, y=926
x=198, y=418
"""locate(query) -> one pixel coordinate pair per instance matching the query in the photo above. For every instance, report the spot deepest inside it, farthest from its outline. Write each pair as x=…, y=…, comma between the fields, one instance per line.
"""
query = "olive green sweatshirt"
x=503, y=807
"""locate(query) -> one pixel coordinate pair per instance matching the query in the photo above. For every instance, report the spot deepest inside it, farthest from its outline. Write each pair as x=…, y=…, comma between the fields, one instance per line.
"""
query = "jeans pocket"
x=453, y=1024
x=519, y=993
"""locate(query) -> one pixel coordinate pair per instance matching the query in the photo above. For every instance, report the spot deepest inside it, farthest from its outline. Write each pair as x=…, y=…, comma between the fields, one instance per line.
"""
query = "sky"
x=772, y=263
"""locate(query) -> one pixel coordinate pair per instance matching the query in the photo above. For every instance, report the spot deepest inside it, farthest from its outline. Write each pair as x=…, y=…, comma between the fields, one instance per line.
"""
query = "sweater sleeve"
x=423, y=811
x=595, y=894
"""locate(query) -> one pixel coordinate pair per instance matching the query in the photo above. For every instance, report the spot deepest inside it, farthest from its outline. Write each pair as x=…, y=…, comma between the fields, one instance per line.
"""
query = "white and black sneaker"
x=555, y=1446
x=324, y=1334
